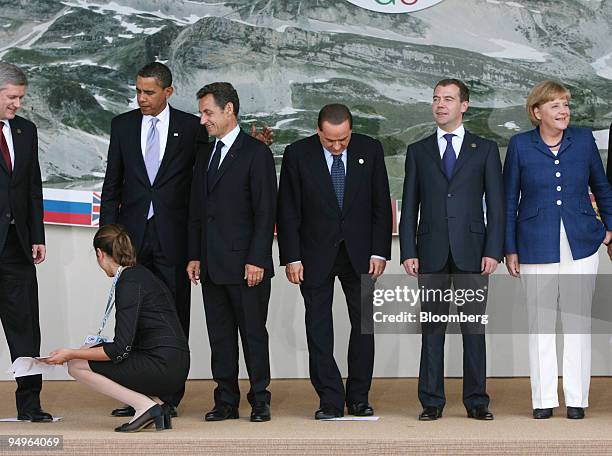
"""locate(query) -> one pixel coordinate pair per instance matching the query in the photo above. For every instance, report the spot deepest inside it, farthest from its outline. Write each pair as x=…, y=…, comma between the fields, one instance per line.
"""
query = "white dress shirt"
x=457, y=140
x=228, y=141
x=162, y=128
x=6, y=129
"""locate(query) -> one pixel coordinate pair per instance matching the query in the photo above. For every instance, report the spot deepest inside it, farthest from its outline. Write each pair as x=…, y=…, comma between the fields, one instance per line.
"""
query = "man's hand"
x=295, y=272
x=608, y=238
x=512, y=264
x=193, y=272
x=488, y=265
x=411, y=265
x=377, y=267
x=253, y=274
x=265, y=135
x=39, y=251
x=610, y=251
x=59, y=356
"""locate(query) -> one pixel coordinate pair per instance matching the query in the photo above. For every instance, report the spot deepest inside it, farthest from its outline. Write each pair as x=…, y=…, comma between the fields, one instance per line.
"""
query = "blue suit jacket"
x=542, y=189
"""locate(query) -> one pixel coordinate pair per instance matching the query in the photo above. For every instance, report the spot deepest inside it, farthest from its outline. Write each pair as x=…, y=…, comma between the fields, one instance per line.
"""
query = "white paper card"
x=29, y=366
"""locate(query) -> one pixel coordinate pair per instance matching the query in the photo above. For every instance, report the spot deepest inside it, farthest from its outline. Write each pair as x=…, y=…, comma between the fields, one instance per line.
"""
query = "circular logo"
x=395, y=6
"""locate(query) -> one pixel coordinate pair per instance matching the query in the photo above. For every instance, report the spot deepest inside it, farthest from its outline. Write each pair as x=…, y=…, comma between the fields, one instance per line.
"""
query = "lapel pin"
x=19, y=131
x=175, y=134
x=473, y=145
x=361, y=162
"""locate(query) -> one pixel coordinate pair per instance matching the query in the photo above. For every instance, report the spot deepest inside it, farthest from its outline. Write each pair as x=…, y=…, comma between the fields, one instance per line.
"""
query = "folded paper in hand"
x=29, y=366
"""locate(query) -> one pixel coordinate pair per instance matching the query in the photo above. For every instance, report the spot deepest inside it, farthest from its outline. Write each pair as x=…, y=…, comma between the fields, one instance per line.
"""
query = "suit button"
x=558, y=174
x=119, y=358
x=450, y=195
x=558, y=188
x=8, y=215
x=556, y=162
x=559, y=203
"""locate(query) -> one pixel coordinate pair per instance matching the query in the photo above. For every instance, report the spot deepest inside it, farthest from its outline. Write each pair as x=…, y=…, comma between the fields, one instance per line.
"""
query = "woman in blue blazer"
x=552, y=240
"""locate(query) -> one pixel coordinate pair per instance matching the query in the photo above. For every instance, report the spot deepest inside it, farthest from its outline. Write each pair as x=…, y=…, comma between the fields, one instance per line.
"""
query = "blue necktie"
x=152, y=156
x=213, y=167
x=449, y=158
x=338, y=176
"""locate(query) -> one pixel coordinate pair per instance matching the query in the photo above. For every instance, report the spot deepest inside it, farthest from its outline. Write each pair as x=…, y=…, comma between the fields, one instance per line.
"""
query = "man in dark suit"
x=446, y=176
x=231, y=228
x=335, y=221
x=22, y=237
x=147, y=183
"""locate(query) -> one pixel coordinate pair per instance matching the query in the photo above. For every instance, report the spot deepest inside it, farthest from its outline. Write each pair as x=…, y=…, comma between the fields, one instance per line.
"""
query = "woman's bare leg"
x=80, y=370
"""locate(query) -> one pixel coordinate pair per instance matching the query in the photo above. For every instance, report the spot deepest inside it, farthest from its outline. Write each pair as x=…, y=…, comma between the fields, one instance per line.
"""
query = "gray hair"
x=11, y=74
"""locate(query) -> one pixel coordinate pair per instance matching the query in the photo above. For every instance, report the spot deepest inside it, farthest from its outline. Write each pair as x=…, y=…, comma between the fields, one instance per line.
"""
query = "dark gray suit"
x=442, y=224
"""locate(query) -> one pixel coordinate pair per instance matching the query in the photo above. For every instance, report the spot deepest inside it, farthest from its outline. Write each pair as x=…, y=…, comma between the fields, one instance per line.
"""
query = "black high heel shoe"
x=153, y=415
x=167, y=410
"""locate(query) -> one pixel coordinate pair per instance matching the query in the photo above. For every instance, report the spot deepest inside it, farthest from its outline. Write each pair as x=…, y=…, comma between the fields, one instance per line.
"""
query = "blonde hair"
x=542, y=93
x=115, y=241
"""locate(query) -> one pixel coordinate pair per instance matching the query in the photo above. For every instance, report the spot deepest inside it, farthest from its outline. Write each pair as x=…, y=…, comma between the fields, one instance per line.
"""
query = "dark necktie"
x=449, y=158
x=214, y=164
x=5, y=150
x=338, y=176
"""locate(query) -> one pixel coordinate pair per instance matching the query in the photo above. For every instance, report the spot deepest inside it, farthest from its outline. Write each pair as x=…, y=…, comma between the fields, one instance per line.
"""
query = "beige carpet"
x=87, y=427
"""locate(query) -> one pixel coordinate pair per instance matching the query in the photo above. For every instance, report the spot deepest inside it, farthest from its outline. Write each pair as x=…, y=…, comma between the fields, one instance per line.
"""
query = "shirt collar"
x=329, y=155
x=459, y=132
x=229, y=139
x=162, y=116
x=5, y=122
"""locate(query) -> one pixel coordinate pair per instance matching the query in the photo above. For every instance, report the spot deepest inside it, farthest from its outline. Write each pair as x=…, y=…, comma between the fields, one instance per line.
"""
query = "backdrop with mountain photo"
x=288, y=58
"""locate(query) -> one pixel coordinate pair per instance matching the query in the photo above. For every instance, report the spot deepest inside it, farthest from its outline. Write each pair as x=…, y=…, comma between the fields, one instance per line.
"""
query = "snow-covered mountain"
x=287, y=58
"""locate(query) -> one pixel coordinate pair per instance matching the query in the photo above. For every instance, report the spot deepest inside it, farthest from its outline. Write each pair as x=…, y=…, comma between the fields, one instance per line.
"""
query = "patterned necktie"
x=449, y=158
x=214, y=165
x=5, y=150
x=338, y=177
x=152, y=156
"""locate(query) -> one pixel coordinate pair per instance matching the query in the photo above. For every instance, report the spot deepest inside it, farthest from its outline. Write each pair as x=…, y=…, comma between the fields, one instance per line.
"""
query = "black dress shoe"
x=154, y=415
x=35, y=416
x=260, y=412
x=222, y=412
x=360, y=409
x=430, y=414
x=542, y=413
x=480, y=412
x=126, y=410
x=327, y=412
x=575, y=413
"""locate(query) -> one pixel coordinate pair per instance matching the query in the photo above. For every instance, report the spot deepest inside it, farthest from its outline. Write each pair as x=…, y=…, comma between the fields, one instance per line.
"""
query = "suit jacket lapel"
x=566, y=142
x=355, y=161
x=172, y=142
x=18, y=147
x=468, y=147
x=539, y=144
x=229, y=158
x=320, y=174
x=136, y=145
x=434, y=152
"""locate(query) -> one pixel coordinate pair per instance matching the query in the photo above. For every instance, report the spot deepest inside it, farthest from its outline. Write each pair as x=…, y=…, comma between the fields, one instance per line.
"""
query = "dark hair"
x=464, y=92
x=159, y=71
x=223, y=93
x=115, y=241
x=335, y=114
